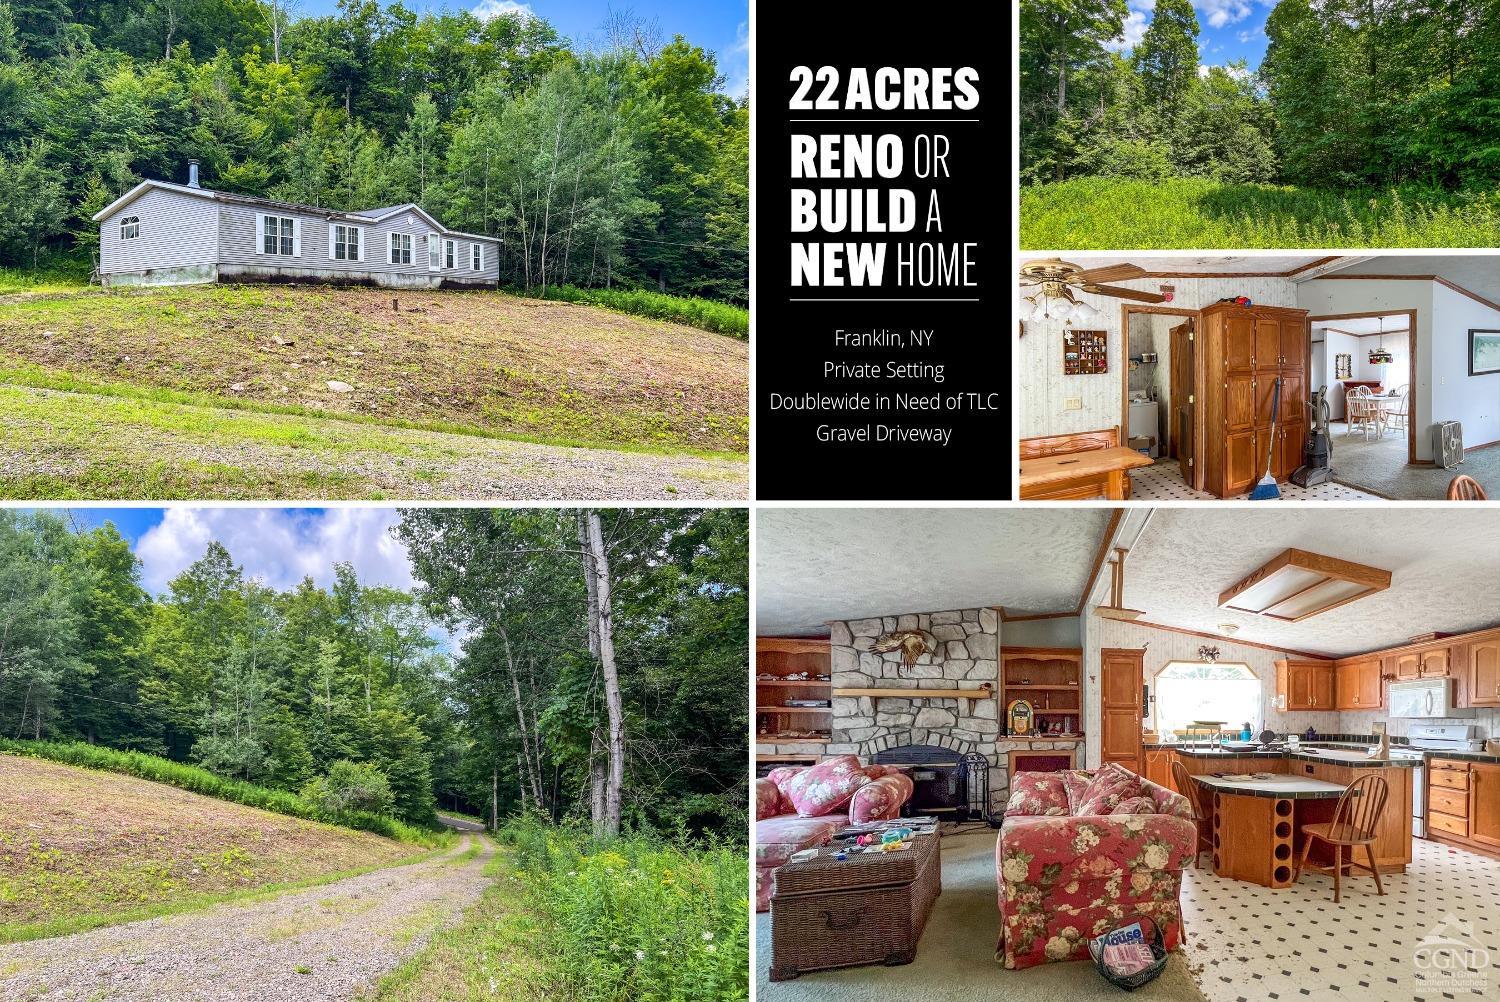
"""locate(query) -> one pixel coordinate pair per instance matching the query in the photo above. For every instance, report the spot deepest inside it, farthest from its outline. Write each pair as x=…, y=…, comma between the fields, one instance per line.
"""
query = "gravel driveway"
x=320, y=943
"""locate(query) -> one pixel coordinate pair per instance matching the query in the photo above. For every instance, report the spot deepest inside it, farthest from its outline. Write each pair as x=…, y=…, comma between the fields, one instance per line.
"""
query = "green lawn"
x=1190, y=213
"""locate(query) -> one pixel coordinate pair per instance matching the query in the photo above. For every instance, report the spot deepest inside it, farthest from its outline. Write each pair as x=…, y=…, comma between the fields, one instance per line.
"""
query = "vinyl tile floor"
x=1248, y=943
x=1163, y=481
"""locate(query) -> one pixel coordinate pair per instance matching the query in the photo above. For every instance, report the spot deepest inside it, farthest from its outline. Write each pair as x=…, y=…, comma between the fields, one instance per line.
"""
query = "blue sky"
x=1229, y=30
x=279, y=546
x=721, y=26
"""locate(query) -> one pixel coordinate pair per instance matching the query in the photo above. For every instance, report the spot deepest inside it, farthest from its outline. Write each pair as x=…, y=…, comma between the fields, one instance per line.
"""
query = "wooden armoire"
x=1242, y=349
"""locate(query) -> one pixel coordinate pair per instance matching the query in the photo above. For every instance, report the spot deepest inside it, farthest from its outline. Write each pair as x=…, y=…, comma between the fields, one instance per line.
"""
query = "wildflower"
x=640, y=955
x=708, y=937
x=711, y=948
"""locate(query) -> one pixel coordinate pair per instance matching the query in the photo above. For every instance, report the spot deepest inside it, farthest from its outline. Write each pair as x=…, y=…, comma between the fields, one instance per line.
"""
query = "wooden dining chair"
x=1355, y=821
x=1466, y=488
x=1360, y=411
x=1395, y=418
x=1190, y=789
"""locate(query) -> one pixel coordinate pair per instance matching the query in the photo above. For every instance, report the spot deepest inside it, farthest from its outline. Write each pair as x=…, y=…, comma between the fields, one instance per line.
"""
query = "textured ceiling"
x=1365, y=325
x=1445, y=566
x=1218, y=264
x=1476, y=272
x=818, y=564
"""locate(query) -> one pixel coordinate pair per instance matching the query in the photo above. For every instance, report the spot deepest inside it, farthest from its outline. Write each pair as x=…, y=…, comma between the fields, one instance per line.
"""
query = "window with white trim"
x=278, y=235
x=130, y=228
x=400, y=248
x=450, y=253
x=346, y=243
x=434, y=253
x=476, y=256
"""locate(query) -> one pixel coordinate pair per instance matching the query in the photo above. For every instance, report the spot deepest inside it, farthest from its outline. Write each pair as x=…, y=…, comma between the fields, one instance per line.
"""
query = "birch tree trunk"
x=528, y=771
x=616, y=780
x=598, y=753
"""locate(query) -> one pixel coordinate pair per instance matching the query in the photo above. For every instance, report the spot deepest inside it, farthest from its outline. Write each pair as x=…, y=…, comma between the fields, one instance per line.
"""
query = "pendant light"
x=1379, y=356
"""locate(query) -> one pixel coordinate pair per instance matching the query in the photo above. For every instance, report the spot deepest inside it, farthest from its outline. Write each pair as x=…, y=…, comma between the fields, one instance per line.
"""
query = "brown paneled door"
x=1120, y=716
x=1180, y=425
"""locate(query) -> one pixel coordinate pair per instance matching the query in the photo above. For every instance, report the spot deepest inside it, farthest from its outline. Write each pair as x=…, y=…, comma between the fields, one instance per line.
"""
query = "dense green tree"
x=1167, y=58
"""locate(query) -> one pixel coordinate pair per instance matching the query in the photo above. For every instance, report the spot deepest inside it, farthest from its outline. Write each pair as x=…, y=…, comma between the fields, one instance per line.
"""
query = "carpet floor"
x=955, y=959
x=1379, y=466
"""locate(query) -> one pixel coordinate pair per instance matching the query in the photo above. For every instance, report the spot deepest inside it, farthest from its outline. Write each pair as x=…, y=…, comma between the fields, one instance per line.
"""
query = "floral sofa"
x=1081, y=853
x=801, y=807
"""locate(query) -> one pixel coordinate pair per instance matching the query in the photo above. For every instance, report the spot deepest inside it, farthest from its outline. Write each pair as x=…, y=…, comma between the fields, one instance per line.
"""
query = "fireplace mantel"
x=984, y=692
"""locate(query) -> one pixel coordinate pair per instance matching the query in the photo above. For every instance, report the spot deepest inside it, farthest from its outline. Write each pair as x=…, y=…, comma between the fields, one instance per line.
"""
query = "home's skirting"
x=202, y=273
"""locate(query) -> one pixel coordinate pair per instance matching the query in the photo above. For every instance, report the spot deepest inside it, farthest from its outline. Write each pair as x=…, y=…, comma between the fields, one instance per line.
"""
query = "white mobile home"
x=160, y=233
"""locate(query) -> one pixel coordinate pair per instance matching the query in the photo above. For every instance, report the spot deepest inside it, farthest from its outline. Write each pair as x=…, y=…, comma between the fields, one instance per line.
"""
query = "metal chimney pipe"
x=193, y=174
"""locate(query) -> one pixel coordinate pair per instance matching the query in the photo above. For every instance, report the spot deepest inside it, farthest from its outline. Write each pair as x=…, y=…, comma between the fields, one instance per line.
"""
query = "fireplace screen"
x=940, y=779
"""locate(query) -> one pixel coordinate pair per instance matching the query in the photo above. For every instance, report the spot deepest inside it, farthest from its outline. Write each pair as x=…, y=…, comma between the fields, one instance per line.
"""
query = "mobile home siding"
x=176, y=231
x=238, y=240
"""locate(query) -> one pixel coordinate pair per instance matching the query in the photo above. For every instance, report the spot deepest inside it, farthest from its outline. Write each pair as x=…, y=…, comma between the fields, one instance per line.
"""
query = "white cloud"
x=1218, y=13
x=278, y=546
x=735, y=63
x=1136, y=22
x=487, y=9
x=1235, y=71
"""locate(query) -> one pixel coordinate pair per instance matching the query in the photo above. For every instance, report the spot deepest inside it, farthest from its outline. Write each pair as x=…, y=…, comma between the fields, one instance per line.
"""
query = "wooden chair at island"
x=1189, y=788
x=1355, y=822
x=1466, y=488
x=1360, y=411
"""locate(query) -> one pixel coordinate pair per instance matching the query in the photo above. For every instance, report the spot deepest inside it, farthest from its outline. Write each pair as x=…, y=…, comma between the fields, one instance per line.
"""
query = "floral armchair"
x=801, y=807
x=1081, y=853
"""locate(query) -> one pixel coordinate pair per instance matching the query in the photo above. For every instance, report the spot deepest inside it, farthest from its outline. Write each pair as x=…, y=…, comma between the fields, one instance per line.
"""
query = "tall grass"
x=196, y=780
x=1112, y=213
x=705, y=314
x=67, y=274
x=639, y=918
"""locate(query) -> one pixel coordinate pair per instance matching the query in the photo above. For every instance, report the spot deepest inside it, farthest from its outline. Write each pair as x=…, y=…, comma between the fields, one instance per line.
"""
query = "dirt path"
x=322, y=943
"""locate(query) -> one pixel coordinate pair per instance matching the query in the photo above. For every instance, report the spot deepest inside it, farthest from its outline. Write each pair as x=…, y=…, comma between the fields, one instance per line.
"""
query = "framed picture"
x=1343, y=366
x=1484, y=352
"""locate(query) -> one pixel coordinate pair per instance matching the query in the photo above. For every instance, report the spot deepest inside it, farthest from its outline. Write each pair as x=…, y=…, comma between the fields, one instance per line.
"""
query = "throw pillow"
x=825, y=787
x=1110, y=785
x=1135, y=805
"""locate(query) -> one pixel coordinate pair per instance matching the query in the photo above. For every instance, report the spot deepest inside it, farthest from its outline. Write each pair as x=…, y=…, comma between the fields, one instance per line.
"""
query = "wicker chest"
x=868, y=909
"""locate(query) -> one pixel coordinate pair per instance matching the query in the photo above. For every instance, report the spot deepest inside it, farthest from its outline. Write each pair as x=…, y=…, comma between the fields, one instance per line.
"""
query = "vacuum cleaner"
x=1317, y=450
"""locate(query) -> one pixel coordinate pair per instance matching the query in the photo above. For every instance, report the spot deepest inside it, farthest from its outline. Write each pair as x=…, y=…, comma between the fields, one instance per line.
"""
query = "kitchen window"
x=400, y=248
x=130, y=228
x=1189, y=691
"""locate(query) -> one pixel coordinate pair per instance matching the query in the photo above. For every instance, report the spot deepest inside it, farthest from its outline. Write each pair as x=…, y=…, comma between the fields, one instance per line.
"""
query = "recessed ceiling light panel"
x=1297, y=584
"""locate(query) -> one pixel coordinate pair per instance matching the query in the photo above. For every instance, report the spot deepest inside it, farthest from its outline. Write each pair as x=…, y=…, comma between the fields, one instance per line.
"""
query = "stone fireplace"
x=966, y=655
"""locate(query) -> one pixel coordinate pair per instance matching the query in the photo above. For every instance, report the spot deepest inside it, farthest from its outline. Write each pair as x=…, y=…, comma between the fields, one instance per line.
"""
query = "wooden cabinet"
x=1406, y=666
x=1484, y=803
x=1305, y=685
x=1463, y=802
x=1435, y=663
x=1159, y=767
x=1244, y=351
x=1357, y=685
x=1484, y=671
x=787, y=669
x=1120, y=712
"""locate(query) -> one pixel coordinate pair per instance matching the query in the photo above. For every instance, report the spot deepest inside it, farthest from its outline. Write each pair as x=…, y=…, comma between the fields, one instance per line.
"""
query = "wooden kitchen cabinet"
x=1305, y=685
x=1484, y=672
x=1435, y=663
x=1484, y=803
x=1159, y=766
x=1406, y=666
x=1358, y=685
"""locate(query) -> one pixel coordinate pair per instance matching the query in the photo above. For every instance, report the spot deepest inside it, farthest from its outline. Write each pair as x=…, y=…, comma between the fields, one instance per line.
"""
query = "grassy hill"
x=81, y=848
x=1100, y=213
x=348, y=372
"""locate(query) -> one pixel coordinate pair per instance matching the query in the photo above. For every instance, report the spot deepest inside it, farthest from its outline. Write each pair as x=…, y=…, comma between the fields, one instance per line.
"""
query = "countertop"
x=1276, y=788
x=1343, y=753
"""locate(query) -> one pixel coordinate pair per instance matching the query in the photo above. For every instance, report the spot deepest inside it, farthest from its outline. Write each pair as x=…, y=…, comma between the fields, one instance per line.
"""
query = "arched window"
x=1189, y=691
x=130, y=227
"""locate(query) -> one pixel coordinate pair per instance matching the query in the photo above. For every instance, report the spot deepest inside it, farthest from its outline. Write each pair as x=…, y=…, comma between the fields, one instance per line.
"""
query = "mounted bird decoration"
x=911, y=643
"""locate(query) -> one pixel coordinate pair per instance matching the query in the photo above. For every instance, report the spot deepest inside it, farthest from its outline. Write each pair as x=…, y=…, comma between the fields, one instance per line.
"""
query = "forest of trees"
x=623, y=165
x=1351, y=93
x=617, y=694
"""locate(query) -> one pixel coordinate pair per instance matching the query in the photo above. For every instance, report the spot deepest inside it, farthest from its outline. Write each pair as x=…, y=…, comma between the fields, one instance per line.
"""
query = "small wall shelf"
x=777, y=723
x=878, y=694
x=1039, y=675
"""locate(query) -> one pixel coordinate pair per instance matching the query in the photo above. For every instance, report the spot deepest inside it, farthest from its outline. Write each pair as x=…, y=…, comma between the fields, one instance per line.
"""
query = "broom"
x=1267, y=490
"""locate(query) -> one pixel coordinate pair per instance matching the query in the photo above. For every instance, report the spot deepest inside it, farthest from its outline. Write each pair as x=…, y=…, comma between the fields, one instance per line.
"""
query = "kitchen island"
x=1256, y=827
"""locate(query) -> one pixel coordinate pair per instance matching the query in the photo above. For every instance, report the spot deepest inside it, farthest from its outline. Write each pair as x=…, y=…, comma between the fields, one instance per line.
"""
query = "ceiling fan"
x=1059, y=280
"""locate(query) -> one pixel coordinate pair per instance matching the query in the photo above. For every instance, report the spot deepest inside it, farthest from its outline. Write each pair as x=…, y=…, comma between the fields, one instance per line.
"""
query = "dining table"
x=1385, y=404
